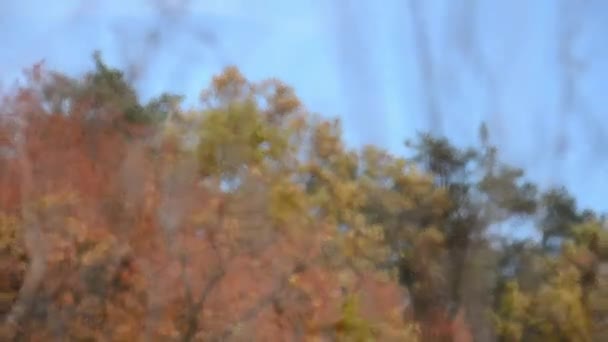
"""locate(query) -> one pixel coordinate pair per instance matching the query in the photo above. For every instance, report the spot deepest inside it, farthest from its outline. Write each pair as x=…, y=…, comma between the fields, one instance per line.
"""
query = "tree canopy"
x=249, y=218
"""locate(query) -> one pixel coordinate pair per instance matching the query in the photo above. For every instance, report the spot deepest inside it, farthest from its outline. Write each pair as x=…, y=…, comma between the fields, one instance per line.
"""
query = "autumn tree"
x=146, y=221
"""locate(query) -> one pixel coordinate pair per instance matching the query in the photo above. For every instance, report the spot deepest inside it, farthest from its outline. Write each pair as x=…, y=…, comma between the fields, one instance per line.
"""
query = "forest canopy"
x=249, y=218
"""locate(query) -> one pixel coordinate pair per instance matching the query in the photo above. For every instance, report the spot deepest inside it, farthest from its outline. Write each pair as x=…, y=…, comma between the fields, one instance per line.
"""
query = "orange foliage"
x=132, y=254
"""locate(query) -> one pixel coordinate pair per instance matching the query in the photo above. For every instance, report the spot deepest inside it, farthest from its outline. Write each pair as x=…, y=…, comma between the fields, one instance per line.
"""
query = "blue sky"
x=357, y=60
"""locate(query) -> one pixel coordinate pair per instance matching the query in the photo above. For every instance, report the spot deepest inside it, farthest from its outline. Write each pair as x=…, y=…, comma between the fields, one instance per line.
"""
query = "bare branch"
x=35, y=242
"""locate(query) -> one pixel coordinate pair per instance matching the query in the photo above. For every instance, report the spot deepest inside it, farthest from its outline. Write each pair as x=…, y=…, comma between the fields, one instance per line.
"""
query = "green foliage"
x=352, y=326
x=559, y=215
x=230, y=139
x=108, y=88
x=511, y=315
x=557, y=311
